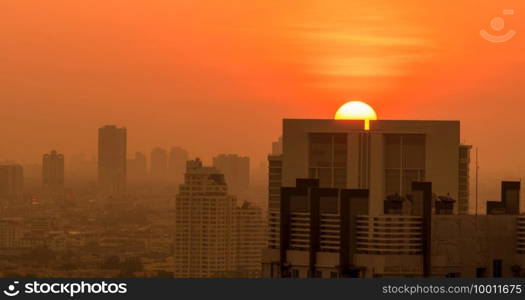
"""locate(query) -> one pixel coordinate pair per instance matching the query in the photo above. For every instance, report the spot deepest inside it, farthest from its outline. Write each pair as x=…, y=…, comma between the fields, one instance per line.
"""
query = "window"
x=328, y=158
x=404, y=162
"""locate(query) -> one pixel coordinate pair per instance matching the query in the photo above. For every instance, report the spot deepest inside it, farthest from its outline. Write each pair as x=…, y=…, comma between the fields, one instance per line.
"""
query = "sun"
x=356, y=110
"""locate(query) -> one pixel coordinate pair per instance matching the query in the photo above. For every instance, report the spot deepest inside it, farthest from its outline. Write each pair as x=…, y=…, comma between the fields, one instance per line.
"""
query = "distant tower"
x=112, y=160
x=464, y=179
x=236, y=170
x=275, y=173
x=138, y=167
x=177, y=164
x=205, y=237
x=159, y=164
x=11, y=182
x=53, y=172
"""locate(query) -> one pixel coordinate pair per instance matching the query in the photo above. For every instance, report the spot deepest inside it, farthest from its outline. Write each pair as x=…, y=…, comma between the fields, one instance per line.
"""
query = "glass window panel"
x=340, y=177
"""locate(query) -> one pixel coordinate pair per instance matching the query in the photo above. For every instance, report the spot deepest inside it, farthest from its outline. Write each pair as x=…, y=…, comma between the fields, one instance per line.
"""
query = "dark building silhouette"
x=510, y=200
x=11, y=182
x=112, y=160
x=53, y=172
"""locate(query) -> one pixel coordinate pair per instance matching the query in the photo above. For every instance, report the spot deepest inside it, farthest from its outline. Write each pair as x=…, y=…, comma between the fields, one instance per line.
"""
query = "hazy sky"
x=218, y=76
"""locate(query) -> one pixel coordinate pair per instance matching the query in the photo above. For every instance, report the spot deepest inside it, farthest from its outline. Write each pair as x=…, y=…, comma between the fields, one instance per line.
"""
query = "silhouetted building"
x=177, y=164
x=112, y=143
x=138, y=167
x=251, y=235
x=385, y=159
x=277, y=146
x=275, y=171
x=510, y=200
x=159, y=164
x=11, y=181
x=205, y=237
x=236, y=170
x=464, y=179
x=53, y=172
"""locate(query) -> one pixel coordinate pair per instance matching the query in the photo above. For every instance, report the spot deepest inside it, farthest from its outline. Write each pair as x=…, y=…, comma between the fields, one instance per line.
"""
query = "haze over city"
x=262, y=139
x=219, y=76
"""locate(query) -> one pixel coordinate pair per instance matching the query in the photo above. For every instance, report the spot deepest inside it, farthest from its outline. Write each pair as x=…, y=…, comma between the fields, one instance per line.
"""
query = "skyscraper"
x=159, y=164
x=11, y=181
x=464, y=179
x=177, y=164
x=236, y=170
x=391, y=162
x=251, y=238
x=53, y=172
x=205, y=239
x=112, y=160
x=275, y=174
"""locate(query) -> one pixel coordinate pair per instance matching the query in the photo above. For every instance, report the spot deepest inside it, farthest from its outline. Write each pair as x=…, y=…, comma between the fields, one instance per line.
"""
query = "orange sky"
x=218, y=76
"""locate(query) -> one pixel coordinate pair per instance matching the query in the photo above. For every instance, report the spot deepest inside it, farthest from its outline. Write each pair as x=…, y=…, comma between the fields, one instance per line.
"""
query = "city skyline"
x=262, y=139
x=303, y=64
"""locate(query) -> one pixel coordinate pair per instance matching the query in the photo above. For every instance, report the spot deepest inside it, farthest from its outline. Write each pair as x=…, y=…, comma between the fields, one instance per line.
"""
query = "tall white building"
x=205, y=236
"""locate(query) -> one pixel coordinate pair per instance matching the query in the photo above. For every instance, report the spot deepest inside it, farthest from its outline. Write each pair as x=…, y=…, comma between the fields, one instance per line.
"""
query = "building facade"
x=205, y=237
x=464, y=179
x=112, y=160
x=53, y=176
x=251, y=239
x=11, y=182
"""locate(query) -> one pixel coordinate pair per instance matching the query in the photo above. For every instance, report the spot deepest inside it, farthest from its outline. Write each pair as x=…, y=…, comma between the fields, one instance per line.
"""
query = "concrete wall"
x=442, y=152
x=464, y=243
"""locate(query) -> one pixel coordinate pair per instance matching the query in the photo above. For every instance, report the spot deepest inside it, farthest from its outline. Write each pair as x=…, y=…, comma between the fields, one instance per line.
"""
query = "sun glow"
x=356, y=110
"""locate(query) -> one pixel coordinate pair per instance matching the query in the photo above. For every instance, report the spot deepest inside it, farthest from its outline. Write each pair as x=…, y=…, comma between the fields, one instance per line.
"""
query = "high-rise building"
x=137, y=167
x=236, y=170
x=159, y=164
x=205, y=237
x=251, y=237
x=112, y=143
x=464, y=179
x=11, y=181
x=177, y=164
x=387, y=161
x=53, y=172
